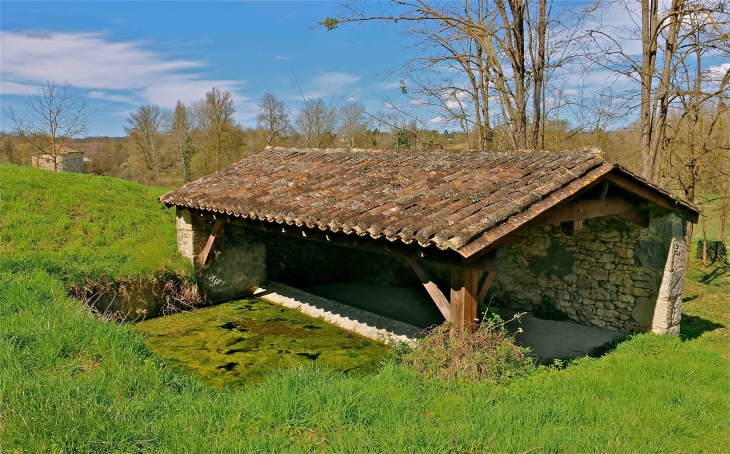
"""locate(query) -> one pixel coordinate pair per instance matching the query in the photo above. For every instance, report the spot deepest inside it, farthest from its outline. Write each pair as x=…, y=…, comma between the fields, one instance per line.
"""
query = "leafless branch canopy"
x=55, y=116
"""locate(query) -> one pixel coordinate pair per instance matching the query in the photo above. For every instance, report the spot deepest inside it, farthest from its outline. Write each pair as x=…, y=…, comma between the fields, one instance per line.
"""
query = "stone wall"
x=612, y=274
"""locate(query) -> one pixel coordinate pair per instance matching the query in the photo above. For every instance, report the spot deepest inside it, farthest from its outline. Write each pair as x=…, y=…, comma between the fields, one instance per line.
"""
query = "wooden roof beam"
x=586, y=209
x=380, y=246
x=645, y=192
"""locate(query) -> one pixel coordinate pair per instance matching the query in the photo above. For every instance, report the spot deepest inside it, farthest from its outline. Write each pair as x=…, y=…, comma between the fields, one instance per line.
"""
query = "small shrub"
x=489, y=354
x=548, y=310
x=716, y=251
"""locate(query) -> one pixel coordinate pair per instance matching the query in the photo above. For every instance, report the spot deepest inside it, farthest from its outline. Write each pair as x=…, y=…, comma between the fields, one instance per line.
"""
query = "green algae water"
x=241, y=342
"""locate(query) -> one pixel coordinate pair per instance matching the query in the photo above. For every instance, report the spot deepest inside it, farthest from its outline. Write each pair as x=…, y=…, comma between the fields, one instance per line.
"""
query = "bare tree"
x=316, y=122
x=215, y=117
x=353, y=122
x=273, y=117
x=143, y=128
x=55, y=117
x=477, y=53
x=724, y=171
x=182, y=126
x=670, y=36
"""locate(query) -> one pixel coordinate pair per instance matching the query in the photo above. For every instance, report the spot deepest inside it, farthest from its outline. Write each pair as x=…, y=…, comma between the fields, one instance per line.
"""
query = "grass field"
x=70, y=381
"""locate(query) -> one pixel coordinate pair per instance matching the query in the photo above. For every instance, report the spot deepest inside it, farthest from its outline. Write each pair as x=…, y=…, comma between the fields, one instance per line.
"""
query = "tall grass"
x=71, y=382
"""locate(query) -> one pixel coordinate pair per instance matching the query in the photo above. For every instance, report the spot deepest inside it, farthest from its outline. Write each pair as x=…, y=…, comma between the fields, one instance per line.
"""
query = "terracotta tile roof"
x=462, y=201
x=62, y=150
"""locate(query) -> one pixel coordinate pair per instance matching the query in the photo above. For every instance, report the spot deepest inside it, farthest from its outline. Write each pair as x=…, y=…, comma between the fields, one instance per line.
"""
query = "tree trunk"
x=703, y=219
x=724, y=202
x=539, y=74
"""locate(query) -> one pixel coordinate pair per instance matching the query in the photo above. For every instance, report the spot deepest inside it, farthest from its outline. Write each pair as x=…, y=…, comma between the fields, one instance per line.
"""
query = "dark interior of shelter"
x=319, y=269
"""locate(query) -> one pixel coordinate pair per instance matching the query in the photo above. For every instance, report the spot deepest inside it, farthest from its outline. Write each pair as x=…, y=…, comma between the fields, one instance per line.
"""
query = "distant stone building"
x=65, y=160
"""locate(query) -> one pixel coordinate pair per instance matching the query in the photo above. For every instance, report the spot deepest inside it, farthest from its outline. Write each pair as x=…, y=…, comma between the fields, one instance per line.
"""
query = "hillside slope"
x=78, y=226
x=73, y=382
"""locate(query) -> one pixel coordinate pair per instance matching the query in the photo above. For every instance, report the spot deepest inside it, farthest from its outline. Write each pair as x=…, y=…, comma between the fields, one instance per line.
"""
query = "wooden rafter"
x=637, y=217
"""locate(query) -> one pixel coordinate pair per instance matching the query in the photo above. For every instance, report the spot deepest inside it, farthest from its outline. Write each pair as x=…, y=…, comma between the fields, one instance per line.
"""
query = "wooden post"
x=464, y=293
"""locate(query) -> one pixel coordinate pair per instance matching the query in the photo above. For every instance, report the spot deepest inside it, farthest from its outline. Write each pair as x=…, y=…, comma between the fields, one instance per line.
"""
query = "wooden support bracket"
x=436, y=295
x=205, y=254
x=485, y=285
x=488, y=278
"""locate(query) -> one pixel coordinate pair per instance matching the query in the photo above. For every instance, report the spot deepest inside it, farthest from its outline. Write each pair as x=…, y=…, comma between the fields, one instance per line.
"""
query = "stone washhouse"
x=603, y=245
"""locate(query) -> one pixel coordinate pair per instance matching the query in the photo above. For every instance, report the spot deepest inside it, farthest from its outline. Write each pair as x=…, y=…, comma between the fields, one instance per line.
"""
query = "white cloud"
x=417, y=102
x=352, y=99
x=453, y=104
x=98, y=94
x=719, y=71
x=12, y=88
x=619, y=21
x=388, y=106
x=334, y=80
x=387, y=85
x=456, y=99
x=438, y=120
x=117, y=71
x=281, y=57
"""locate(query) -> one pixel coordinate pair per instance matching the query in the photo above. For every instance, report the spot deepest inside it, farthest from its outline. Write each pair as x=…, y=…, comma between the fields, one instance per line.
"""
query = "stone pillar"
x=668, y=310
x=192, y=233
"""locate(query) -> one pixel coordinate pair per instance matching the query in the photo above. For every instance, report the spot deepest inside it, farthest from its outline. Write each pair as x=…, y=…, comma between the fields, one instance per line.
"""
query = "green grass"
x=71, y=382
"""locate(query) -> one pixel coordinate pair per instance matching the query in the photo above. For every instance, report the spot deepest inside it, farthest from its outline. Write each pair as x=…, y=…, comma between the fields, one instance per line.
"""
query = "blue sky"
x=119, y=55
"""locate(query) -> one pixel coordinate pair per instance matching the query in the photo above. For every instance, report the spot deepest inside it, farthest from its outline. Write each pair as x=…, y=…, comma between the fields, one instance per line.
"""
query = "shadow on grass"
x=608, y=347
x=692, y=326
x=710, y=277
x=597, y=352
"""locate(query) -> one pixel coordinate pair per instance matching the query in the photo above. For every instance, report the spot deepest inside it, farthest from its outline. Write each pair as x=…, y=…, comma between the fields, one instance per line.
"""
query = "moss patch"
x=559, y=261
x=241, y=342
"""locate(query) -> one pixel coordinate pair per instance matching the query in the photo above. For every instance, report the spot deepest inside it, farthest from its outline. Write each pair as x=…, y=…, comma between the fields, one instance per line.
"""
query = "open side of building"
x=605, y=246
